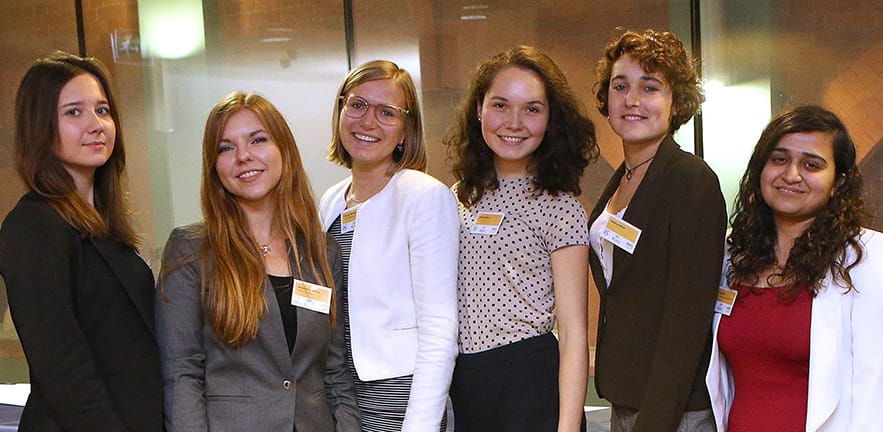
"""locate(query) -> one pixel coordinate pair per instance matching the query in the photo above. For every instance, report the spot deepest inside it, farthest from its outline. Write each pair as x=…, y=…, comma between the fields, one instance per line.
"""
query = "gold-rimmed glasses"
x=386, y=114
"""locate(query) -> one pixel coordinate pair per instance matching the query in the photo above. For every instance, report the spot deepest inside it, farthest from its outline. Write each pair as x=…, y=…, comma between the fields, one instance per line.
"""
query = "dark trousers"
x=512, y=388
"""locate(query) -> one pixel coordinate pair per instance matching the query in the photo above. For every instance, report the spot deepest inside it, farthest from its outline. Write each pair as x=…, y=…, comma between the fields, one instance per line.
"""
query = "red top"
x=766, y=344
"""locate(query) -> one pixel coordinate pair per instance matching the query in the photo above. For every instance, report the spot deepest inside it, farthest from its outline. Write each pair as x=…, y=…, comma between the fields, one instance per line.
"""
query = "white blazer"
x=845, y=352
x=403, y=288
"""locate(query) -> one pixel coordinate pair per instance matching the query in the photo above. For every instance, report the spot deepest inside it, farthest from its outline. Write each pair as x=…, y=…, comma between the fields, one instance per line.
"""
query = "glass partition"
x=172, y=60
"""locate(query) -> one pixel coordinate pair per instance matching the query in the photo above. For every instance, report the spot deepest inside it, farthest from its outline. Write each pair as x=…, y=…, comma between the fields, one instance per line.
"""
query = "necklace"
x=351, y=197
x=629, y=172
x=265, y=247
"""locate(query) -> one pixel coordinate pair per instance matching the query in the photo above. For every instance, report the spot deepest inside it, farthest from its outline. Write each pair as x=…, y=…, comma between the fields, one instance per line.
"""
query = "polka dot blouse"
x=504, y=286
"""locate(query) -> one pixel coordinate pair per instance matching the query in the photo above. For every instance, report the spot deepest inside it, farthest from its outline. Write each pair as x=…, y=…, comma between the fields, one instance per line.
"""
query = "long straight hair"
x=233, y=299
x=36, y=133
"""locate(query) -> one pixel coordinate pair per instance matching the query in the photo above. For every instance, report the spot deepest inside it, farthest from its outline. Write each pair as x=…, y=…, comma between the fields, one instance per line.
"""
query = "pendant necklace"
x=629, y=172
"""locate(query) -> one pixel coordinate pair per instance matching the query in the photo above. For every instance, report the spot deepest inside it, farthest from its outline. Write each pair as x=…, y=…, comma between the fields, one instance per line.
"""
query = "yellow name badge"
x=311, y=296
x=348, y=220
x=726, y=298
x=621, y=233
x=487, y=223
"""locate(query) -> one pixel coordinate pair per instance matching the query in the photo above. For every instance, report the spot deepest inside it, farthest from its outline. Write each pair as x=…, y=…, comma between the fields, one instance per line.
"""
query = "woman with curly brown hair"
x=657, y=236
x=521, y=143
x=801, y=339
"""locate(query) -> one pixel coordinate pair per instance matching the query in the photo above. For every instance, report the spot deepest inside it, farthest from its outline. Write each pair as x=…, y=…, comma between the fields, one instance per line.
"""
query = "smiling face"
x=514, y=114
x=86, y=130
x=639, y=103
x=798, y=177
x=249, y=162
x=368, y=142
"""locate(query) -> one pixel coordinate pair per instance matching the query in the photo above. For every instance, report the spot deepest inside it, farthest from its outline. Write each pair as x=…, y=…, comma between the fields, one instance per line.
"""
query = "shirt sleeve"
x=180, y=336
x=565, y=222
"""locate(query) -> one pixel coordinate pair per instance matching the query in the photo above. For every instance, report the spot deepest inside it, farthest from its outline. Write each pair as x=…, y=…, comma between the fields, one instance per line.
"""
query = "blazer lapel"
x=825, y=334
x=643, y=203
x=302, y=325
x=600, y=205
x=129, y=271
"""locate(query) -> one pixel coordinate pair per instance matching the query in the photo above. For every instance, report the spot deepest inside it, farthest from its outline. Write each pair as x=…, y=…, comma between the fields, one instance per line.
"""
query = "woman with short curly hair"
x=656, y=237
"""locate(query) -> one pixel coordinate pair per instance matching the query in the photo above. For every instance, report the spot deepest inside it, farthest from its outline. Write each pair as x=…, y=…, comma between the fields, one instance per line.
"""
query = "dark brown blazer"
x=653, y=334
x=83, y=309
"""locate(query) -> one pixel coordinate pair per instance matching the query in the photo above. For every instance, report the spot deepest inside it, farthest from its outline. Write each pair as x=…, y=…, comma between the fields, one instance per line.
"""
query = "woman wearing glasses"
x=398, y=232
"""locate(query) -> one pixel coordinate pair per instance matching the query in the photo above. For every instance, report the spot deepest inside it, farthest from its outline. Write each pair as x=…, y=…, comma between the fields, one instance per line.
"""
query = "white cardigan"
x=403, y=288
x=845, y=355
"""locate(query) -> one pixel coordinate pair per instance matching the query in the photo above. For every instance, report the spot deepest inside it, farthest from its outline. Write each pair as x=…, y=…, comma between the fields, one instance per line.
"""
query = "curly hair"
x=658, y=52
x=568, y=146
x=836, y=228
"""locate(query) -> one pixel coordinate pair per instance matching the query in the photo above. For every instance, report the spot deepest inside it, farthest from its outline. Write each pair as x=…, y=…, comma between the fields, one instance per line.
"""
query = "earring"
x=479, y=118
x=400, y=147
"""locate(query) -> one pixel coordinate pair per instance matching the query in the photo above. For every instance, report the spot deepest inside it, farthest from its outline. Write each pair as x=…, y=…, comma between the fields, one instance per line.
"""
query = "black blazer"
x=83, y=309
x=655, y=317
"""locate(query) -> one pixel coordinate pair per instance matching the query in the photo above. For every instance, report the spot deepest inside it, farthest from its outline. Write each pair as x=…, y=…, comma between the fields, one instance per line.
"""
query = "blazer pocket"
x=231, y=412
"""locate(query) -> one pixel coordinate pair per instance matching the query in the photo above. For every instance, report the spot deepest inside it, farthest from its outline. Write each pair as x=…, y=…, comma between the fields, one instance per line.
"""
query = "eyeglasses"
x=386, y=114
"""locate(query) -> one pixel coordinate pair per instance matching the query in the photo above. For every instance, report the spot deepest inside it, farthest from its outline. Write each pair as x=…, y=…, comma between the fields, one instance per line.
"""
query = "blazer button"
x=286, y=384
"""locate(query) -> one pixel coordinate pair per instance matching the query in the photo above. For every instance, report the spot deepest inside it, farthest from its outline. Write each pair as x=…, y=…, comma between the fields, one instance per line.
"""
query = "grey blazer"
x=259, y=386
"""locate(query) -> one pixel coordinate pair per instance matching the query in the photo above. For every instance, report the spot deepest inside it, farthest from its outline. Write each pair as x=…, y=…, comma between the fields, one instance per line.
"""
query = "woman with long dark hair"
x=799, y=348
x=79, y=294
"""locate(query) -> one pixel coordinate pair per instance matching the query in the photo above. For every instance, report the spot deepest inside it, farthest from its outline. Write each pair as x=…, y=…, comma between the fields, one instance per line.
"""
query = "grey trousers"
x=622, y=419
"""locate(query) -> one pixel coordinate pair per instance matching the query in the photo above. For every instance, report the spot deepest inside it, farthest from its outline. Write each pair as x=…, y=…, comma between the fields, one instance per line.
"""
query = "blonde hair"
x=413, y=155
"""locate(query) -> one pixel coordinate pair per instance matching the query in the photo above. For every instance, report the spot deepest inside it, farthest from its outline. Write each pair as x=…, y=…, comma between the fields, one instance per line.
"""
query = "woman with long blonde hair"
x=248, y=299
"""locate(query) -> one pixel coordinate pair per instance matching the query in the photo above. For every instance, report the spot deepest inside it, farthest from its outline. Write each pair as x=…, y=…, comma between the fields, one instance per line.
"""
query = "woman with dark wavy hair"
x=521, y=142
x=801, y=342
x=656, y=236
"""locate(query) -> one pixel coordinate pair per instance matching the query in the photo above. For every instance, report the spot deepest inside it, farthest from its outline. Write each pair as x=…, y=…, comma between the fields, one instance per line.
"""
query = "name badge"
x=311, y=296
x=726, y=298
x=348, y=220
x=621, y=233
x=488, y=223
